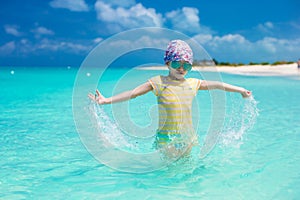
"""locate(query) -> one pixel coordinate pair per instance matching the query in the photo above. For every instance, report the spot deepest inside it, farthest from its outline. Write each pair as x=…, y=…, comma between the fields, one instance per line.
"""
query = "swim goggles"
x=177, y=64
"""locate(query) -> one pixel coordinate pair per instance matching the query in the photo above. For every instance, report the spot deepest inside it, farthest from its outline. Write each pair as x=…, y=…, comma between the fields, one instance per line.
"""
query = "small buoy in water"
x=12, y=72
x=88, y=74
x=69, y=67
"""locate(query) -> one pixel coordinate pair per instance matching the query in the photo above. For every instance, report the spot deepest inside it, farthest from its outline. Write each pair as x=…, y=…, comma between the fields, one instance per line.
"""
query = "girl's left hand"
x=97, y=98
x=246, y=93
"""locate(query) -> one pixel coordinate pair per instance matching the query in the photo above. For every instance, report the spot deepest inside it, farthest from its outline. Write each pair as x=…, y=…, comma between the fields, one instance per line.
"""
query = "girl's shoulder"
x=194, y=82
x=191, y=80
x=157, y=79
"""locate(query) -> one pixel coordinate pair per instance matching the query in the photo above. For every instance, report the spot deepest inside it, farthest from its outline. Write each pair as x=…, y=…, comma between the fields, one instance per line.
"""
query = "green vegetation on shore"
x=215, y=62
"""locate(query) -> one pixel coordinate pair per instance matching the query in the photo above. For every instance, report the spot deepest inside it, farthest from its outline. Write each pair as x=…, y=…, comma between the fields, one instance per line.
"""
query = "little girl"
x=175, y=94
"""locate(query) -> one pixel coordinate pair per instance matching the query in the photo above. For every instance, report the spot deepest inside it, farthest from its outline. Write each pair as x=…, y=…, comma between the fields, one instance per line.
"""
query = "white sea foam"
x=240, y=119
x=108, y=130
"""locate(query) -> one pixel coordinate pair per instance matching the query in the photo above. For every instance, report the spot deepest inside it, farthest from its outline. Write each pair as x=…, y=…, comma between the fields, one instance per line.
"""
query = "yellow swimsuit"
x=175, y=108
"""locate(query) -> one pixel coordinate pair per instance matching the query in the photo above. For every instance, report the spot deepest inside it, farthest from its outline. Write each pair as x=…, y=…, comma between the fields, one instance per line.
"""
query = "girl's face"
x=180, y=72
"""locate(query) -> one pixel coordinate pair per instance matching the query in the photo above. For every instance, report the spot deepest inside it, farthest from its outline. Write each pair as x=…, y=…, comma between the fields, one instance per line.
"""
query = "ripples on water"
x=42, y=156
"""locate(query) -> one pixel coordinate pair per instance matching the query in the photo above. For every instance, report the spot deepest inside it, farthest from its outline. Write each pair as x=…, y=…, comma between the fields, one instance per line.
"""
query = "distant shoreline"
x=248, y=70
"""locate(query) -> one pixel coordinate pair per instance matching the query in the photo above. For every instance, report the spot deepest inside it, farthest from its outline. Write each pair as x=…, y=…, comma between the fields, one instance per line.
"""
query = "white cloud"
x=187, y=19
x=279, y=46
x=65, y=46
x=26, y=47
x=120, y=18
x=97, y=40
x=120, y=15
x=49, y=45
x=203, y=38
x=40, y=31
x=72, y=5
x=265, y=27
x=7, y=48
x=145, y=41
x=12, y=30
x=295, y=25
x=269, y=25
x=225, y=47
x=236, y=48
x=268, y=44
x=230, y=38
x=118, y=3
x=222, y=43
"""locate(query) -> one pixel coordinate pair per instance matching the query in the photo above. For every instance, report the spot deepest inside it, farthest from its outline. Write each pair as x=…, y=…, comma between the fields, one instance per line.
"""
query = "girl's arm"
x=211, y=85
x=140, y=90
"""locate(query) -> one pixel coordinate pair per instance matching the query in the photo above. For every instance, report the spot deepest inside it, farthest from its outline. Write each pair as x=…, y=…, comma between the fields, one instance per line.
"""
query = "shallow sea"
x=42, y=156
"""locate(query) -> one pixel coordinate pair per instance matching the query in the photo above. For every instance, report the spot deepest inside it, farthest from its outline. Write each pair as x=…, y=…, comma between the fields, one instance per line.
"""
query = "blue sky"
x=63, y=32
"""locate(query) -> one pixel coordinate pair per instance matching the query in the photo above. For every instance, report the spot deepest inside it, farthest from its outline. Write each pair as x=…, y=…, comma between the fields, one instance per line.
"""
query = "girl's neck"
x=172, y=77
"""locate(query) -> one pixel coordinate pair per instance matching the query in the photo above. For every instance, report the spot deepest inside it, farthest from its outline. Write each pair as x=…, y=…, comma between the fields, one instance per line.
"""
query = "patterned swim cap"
x=178, y=50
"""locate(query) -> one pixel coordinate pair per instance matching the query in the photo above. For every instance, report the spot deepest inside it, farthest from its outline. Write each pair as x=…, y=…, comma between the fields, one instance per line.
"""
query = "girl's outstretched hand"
x=246, y=93
x=97, y=98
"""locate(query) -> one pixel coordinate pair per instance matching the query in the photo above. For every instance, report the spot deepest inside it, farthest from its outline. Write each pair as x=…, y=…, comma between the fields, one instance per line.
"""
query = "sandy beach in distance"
x=249, y=70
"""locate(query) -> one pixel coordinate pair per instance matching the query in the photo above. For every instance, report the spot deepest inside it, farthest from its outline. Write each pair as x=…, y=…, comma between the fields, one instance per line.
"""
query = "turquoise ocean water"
x=42, y=156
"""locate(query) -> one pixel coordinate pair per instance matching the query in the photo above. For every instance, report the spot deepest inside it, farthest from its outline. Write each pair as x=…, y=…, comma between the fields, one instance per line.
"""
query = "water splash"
x=242, y=117
x=108, y=130
x=120, y=151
